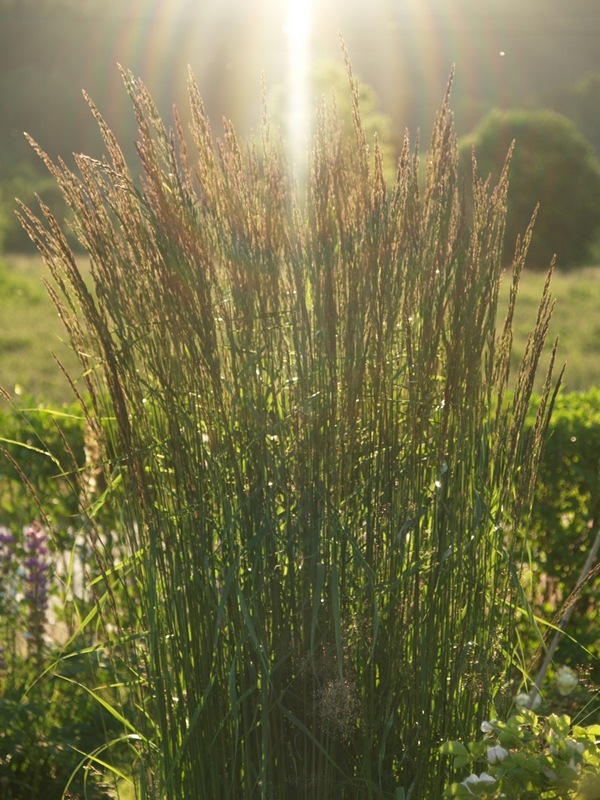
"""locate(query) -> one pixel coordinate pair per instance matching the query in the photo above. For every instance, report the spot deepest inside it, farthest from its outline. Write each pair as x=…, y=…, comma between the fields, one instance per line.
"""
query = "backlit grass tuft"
x=302, y=392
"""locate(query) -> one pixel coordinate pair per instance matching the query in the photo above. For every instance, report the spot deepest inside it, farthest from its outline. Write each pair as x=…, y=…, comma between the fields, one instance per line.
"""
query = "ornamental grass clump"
x=323, y=475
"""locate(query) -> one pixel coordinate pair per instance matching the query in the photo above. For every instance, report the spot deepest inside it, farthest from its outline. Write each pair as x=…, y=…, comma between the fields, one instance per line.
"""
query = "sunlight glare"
x=297, y=30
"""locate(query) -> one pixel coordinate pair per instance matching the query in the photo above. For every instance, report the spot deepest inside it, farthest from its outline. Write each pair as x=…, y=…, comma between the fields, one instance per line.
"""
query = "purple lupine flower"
x=7, y=564
x=36, y=566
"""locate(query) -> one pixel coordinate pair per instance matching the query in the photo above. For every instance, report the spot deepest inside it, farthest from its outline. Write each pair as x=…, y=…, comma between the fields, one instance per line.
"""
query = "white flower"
x=496, y=754
x=574, y=745
x=566, y=680
x=478, y=782
x=523, y=700
x=487, y=727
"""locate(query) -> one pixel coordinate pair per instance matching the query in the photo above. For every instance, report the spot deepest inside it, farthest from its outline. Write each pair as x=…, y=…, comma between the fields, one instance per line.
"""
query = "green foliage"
x=553, y=165
x=568, y=508
x=317, y=450
x=566, y=518
x=41, y=454
x=528, y=757
x=58, y=685
x=48, y=725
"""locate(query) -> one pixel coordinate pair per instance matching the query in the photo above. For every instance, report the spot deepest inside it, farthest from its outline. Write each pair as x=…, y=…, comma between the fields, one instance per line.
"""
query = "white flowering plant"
x=529, y=757
x=566, y=680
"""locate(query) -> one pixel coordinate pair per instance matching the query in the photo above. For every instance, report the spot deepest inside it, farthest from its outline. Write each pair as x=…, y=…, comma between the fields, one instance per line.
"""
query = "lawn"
x=576, y=323
x=32, y=334
x=31, y=330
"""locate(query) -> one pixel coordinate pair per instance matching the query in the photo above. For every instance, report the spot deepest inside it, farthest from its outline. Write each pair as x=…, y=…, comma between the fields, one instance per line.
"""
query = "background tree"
x=552, y=164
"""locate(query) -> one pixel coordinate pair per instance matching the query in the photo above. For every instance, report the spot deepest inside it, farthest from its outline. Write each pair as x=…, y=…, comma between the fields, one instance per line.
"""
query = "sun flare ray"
x=297, y=28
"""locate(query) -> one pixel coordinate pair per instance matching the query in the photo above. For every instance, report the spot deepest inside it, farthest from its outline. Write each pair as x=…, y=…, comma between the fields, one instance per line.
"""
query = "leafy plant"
x=51, y=710
x=529, y=757
x=43, y=455
x=565, y=520
x=46, y=730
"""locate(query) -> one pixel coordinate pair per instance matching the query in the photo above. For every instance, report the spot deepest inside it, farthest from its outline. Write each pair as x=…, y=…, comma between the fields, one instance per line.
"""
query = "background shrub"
x=553, y=165
x=565, y=522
